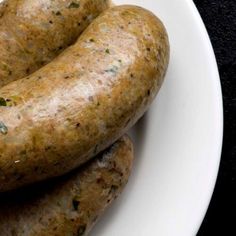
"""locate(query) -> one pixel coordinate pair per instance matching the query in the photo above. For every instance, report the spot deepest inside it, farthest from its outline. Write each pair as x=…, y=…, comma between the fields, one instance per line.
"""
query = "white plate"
x=178, y=143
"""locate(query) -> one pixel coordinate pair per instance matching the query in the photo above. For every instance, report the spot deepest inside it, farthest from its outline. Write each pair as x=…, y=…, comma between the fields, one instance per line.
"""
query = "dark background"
x=219, y=17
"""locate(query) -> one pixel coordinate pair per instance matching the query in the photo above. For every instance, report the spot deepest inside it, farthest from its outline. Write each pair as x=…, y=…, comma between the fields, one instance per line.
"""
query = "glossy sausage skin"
x=32, y=33
x=69, y=205
x=79, y=104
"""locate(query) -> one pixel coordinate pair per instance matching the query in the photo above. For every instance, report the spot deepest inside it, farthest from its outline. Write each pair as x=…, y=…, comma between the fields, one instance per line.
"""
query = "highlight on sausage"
x=76, y=106
x=32, y=33
x=69, y=205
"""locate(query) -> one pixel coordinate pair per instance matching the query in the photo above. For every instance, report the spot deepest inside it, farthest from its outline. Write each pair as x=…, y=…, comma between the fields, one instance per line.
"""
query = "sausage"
x=69, y=205
x=32, y=33
x=65, y=113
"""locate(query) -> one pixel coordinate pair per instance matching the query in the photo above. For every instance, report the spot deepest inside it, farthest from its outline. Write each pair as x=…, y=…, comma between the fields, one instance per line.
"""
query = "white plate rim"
x=219, y=120
x=219, y=102
x=218, y=88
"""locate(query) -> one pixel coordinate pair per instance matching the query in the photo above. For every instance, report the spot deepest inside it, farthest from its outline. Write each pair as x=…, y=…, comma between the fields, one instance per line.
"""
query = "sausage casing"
x=32, y=33
x=69, y=205
x=62, y=115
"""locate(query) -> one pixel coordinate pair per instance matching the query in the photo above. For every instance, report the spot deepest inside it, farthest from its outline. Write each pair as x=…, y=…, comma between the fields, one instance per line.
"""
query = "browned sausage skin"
x=69, y=205
x=32, y=33
x=79, y=104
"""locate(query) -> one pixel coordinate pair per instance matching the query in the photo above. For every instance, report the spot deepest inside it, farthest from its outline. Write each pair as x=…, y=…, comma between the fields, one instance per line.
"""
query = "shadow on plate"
x=138, y=135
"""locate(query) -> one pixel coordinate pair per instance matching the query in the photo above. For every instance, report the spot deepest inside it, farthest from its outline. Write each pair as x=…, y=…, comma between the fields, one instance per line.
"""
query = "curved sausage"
x=32, y=33
x=59, y=117
x=72, y=204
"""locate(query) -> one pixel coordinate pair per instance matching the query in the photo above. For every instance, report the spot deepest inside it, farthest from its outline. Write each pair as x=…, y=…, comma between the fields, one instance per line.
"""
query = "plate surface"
x=178, y=142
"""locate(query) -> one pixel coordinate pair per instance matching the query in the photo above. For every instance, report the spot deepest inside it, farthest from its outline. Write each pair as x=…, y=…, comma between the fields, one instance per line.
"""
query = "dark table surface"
x=219, y=17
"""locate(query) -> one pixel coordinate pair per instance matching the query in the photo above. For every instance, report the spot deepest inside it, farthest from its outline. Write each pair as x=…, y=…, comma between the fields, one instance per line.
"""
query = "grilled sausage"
x=79, y=104
x=32, y=33
x=69, y=205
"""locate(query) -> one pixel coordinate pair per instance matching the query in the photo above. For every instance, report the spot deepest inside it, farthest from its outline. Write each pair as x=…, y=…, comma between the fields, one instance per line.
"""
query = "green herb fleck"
x=107, y=51
x=47, y=148
x=58, y=13
x=5, y=67
x=112, y=70
x=120, y=61
x=23, y=152
x=3, y=102
x=27, y=71
x=81, y=230
x=3, y=128
x=113, y=189
x=12, y=101
x=75, y=203
x=74, y=5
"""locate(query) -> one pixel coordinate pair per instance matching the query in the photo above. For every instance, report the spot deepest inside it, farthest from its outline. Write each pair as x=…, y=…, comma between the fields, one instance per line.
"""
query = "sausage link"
x=32, y=33
x=65, y=113
x=69, y=205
